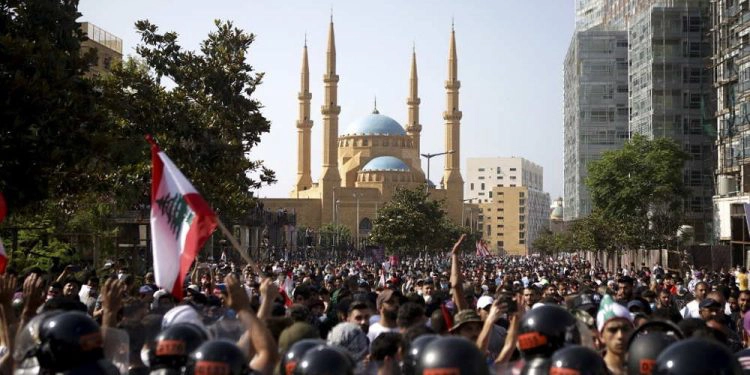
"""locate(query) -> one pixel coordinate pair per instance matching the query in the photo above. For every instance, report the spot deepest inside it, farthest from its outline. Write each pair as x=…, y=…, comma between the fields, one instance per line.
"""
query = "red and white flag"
x=3, y=255
x=482, y=250
x=181, y=222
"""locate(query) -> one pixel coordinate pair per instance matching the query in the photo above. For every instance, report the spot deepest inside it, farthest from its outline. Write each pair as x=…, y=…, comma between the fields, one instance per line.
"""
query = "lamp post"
x=429, y=156
x=357, y=196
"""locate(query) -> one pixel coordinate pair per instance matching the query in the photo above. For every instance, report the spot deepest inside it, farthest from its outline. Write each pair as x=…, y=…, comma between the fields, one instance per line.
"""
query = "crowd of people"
x=442, y=315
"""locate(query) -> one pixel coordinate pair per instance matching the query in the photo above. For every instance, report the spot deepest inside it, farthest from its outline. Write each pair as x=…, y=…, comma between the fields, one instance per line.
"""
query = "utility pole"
x=429, y=156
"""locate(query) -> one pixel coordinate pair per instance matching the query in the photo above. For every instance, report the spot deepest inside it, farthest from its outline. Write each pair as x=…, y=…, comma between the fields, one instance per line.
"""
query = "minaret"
x=452, y=116
x=413, y=128
x=304, y=124
x=330, y=178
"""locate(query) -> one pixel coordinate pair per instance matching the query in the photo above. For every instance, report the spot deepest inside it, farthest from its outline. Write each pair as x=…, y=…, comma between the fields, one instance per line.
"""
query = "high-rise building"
x=671, y=95
x=595, y=110
x=731, y=65
x=513, y=207
x=108, y=47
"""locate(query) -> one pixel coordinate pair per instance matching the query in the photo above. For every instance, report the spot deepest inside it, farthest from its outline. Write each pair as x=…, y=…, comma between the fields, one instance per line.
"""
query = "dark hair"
x=358, y=305
x=409, y=314
x=412, y=333
x=437, y=322
x=387, y=344
x=302, y=291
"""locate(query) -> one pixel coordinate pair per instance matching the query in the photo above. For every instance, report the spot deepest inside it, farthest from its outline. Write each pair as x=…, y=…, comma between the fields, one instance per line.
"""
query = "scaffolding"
x=671, y=94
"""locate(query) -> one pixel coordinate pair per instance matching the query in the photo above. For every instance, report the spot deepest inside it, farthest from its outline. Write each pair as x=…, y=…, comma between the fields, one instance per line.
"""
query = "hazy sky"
x=510, y=56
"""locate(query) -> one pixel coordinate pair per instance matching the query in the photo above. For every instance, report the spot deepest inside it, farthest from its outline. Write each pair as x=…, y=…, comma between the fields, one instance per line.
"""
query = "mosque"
x=364, y=164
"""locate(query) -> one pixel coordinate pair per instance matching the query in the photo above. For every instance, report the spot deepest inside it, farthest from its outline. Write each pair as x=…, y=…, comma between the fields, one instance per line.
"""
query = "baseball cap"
x=385, y=295
x=484, y=301
x=709, y=303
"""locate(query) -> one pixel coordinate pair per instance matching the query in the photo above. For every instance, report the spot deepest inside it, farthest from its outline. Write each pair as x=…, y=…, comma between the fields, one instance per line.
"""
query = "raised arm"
x=269, y=291
x=266, y=350
x=456, y=279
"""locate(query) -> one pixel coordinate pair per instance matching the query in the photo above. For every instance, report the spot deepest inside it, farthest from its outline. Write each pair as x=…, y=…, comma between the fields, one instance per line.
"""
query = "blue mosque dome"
x=375, y=123
x=386, y=163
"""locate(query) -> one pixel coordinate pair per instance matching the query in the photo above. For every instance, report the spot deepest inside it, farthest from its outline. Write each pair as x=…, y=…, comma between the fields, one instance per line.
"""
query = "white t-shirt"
x=691, y=310
x=376, y=329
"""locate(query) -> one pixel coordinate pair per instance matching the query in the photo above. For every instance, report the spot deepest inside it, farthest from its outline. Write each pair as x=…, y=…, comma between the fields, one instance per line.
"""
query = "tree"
x=207, y=121
x=335, y=236
x=640, y=190
x=47, y=107
x=73, y=148
x=410, y=221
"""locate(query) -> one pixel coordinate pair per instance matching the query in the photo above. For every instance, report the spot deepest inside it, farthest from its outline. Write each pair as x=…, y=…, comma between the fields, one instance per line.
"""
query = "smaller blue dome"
x=375, y=123
x=386, y=163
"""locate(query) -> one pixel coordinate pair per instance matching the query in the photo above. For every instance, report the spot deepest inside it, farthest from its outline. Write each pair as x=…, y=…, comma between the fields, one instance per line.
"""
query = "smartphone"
x=508, y=299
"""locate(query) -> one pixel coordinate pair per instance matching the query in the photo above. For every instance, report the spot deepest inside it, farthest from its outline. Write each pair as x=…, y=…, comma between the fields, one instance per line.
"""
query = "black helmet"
x=416, y=348
x=217, y=357
x=536, y=366
x=696, y=356
x=545, y=329
x=577, y=359
x=292, y=356
x=325, y=360
x=173, y=346
x=455, y=355
x=644, y=349
x=69, y=340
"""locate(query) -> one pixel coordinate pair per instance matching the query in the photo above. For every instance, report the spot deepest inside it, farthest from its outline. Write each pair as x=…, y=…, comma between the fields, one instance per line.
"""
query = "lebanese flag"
x=181, y=222
x=3, y=255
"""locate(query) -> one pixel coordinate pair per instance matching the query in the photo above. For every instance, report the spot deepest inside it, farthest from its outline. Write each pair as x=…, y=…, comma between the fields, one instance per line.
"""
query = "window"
x=471, y=186
x=499, y=177
x=521, y=234
x=499, y=243
x=481, y=177
x=489, y=229
x=481, y=169
x=512, y=177
x=521, y=242
x=521, y=210
x=481, y=193
x=501, y=217
x=512, y=169
x=482, y=186
x=512, y=185
x=500, y=234
x=522, y=202
x=490, y=194
x=521, y=226
x=521, y=194
x=521, y=218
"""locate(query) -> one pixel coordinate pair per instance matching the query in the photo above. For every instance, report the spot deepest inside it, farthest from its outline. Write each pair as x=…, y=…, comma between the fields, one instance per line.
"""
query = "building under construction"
x=671, y=95
x=669, y=92
x=731, y=69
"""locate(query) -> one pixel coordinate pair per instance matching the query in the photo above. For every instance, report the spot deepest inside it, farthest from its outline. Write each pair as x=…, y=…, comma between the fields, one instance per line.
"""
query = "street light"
x=428, y=157
x=357, y=196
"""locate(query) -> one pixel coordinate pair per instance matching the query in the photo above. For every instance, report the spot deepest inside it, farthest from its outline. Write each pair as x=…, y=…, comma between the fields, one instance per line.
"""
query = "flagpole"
x=236, y=246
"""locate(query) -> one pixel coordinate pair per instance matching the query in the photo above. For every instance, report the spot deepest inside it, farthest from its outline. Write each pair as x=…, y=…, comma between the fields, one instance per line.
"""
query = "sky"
x=510, y=64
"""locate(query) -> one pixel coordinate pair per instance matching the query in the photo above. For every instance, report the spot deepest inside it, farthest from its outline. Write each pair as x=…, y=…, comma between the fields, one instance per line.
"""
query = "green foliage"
x=73, y=149
x=207, y=122
x=548, y=242
x=411, y=222
x=637, y=193
x=335, y=236
x=47, y=106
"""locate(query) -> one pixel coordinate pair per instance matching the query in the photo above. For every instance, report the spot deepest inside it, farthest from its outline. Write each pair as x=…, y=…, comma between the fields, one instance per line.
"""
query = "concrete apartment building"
x=731, y=68
x=595, y=110
x=108, y=47
x=671, y=95
x=513, y=208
